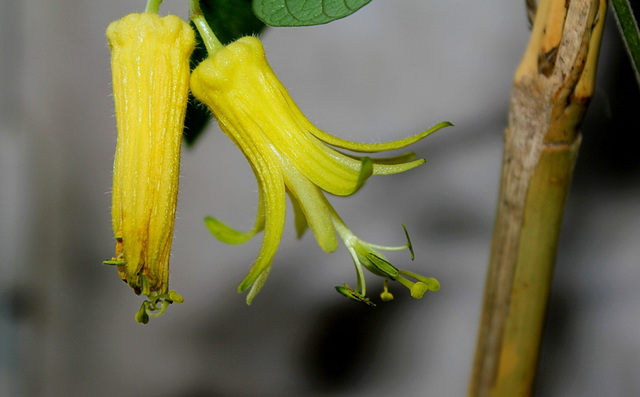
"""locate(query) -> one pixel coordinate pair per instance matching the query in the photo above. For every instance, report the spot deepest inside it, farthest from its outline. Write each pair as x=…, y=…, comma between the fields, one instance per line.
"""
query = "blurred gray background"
x=394, y=68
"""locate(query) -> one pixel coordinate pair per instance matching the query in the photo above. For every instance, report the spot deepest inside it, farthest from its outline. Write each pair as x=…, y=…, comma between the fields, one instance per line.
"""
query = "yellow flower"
x=150, y=67
x=288, y=154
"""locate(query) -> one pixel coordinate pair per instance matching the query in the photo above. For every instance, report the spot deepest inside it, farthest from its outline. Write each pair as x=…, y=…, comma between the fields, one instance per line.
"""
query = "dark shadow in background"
x=343, y=345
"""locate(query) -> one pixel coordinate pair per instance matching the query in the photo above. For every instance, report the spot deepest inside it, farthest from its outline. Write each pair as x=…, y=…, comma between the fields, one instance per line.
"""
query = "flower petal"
x=271, y=186
x=391, y=165
x=299, y=219
x=373, y=147
x=389, y=169
x=313, y=205
x=257, y=285
x=336, y=173
x=271, y=183
x=229, y=235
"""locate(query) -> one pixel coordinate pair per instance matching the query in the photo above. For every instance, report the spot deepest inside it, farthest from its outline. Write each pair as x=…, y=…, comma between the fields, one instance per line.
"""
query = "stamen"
x=386, y=296
x=157, y=305
x=141, y=316
x=431, y=283
x=417, y=289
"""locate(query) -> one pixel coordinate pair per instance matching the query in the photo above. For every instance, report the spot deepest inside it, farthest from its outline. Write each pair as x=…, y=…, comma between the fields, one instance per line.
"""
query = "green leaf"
x=304, y=12
x=629, y=30
x=230, y=20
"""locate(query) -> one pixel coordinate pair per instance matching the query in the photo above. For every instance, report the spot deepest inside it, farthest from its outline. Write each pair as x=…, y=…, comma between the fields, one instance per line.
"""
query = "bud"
x=150, y=67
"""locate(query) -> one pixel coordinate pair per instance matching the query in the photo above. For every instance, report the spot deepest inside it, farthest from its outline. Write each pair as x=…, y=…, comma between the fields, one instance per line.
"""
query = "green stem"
x=208, y=37
x=153, y=6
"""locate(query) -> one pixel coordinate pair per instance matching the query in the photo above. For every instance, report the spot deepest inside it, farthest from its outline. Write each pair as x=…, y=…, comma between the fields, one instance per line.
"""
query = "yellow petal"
x=389, y=169
x=313, y=205
x=268, y=172
x=299, y=219
x=257, y=285
x=271, y=183
x=373, y=147
x=228, y=235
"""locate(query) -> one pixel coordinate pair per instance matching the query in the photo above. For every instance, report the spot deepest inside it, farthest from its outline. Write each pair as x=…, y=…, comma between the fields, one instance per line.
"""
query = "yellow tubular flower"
x=150, y=67
x=288, y=154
